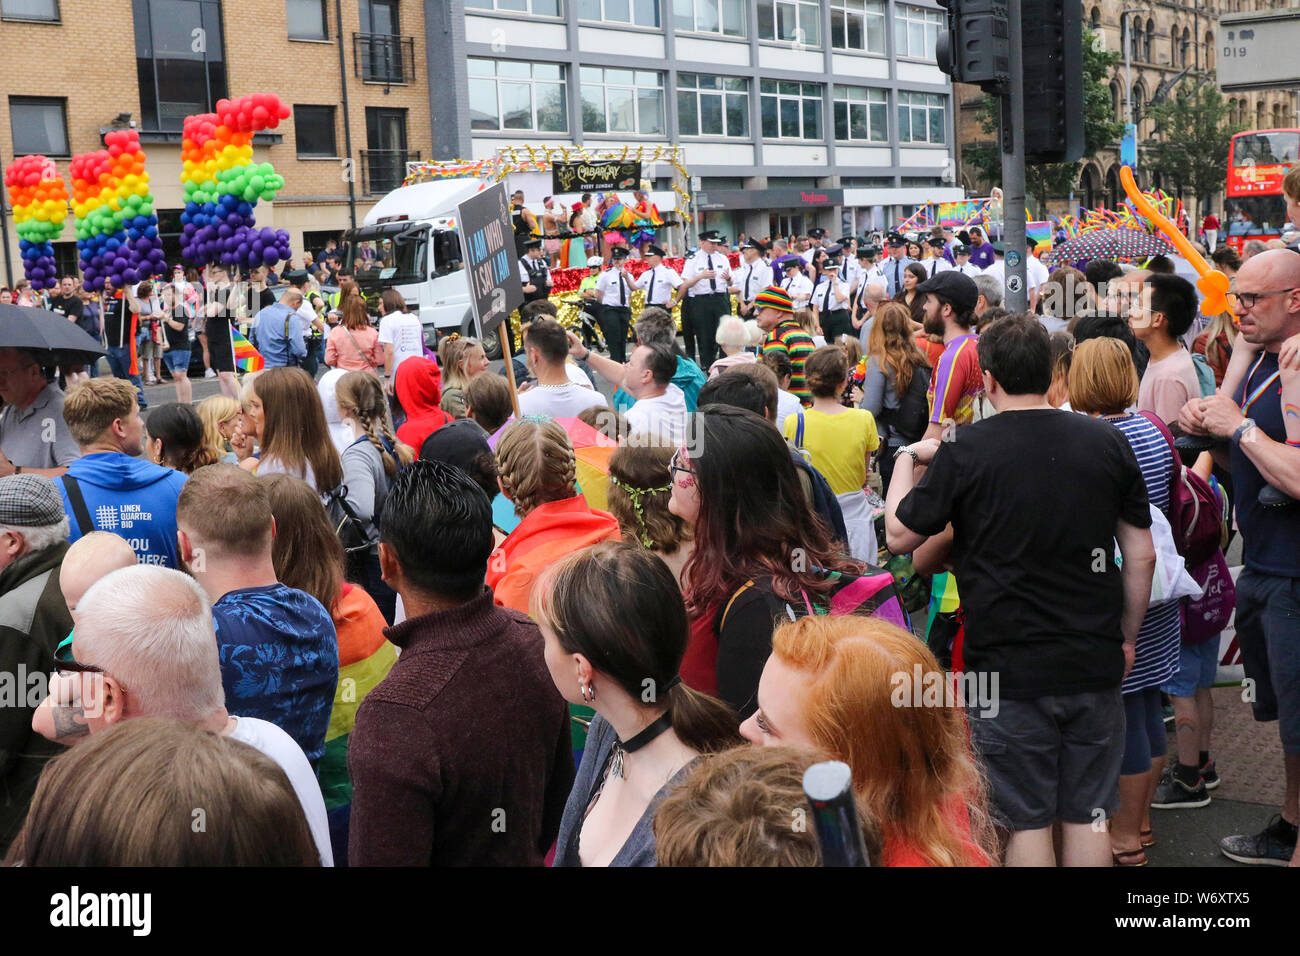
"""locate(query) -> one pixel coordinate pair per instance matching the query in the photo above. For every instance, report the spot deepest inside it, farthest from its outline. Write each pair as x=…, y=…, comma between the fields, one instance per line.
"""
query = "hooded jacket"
x=134, y=499
x=545, y=535
x=419, y=388
x=33, y=620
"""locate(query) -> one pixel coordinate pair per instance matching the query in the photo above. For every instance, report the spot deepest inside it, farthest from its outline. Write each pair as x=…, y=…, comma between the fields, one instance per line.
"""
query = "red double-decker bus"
x=1257, y=162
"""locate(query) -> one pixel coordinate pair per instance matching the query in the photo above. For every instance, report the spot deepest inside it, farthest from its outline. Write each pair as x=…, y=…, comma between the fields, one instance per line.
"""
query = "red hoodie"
x=419, y=389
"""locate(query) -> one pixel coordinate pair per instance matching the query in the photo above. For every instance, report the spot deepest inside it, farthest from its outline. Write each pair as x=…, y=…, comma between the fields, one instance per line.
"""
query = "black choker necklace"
x=621, y=749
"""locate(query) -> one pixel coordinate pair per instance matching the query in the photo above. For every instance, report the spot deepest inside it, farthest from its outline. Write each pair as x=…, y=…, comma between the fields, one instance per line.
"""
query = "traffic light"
x=1052, y=50
x=976, y=47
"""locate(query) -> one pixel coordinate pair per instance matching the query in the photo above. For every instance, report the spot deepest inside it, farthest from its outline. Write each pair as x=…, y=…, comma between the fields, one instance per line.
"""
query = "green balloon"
x=146, y=209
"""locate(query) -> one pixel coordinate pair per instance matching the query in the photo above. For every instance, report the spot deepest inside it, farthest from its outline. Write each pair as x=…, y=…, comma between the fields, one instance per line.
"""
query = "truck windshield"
x=395, y=258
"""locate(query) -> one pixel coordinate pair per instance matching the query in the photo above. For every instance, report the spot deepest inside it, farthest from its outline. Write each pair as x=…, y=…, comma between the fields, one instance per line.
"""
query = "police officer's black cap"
x=867, y=251
x=710, y=235
x=896, y=239
x=845, y=240
x=961, y=249
x=816, y=232
x=937, y=242
x=655, y=251
x=834, y=249
x=296, y=277
x=753, y=244
x=618, y=252
x=532, y=243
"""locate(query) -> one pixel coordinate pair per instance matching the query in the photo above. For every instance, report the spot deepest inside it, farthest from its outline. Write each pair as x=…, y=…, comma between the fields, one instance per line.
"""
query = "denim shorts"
x=1268, y=632
x=178, y=360
x=1197, y=666
x=1052, y=758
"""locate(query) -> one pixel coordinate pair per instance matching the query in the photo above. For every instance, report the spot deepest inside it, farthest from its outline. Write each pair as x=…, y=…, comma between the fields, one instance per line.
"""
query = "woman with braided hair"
x=370, y=461
x=640, y=486
x=537, y=467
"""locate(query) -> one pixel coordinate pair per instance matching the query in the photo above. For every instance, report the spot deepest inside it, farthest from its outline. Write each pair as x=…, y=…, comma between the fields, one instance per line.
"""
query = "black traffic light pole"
x=1012, y=109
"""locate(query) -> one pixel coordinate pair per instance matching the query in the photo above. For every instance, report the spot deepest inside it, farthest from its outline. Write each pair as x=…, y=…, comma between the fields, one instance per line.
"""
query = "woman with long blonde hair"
x=462, y=359
x=849, y=686
x=370, y=462
x=889, y=392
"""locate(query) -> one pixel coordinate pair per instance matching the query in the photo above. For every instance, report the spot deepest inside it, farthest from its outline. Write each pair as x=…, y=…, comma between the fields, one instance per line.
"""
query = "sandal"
x=1147, y=837
x=1129, y=858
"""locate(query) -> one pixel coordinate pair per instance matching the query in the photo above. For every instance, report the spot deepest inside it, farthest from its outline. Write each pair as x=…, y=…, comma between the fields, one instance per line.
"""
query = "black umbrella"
x=55, y=339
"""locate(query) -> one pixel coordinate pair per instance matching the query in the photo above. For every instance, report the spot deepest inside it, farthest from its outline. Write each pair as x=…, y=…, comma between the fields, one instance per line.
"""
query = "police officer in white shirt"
x=936, y=263
x=795, y=282
x=705, y=280
x=961, y=253
x=816, y=235
x=849, y=268
x=614, y=291
x=897, y=262
x=658, y=281
x=869, y=270
x=534, y=273
x=752, y=277
x=830, y=298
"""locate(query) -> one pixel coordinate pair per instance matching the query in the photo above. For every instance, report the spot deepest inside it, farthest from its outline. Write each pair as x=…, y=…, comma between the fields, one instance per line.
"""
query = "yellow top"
x=838, y=445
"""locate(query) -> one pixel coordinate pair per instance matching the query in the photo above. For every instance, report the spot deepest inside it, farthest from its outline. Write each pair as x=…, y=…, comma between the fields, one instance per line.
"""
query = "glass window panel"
x=786, y=22
x=810, y=23
x=547, y=71
x=38, y=127
x=650, y=109
x=710, y=83
x=733, y=18
x=936, y=125
x=589, y=9
x=900, y=36
x=306, y=18
x=768, y=110
x=592, y=74
x=518, y=6
x=479, y=4
x=841, y=115
x=858, y=121
x=620, y=77
x=482, y=68
x=621, y=110
x=483, y=104
x=767, y=86
x=738, y=85
x=812, y=119
x=766, y=21
x=706, y=15
x=618, y=11
x=879, y=122
x=593, y=109
x=517, y=69
x=875, y=42
x=546, y=8
x=904, y=123
x=646, y=12
x=789, y=89
x=552, y=113
x=855, y=40
x=737, y=114
x=688, y=121
x=711, y=115
x=915, y=38
x=647, y=78
x=790, y=119
x=683, y=15
x=516, y=106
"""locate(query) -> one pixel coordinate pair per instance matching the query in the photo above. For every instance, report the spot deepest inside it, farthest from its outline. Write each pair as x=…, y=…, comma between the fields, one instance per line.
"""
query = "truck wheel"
x=492, y=344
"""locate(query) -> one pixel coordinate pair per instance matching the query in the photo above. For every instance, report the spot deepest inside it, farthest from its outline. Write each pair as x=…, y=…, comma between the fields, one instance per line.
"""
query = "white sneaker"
x=209, y=374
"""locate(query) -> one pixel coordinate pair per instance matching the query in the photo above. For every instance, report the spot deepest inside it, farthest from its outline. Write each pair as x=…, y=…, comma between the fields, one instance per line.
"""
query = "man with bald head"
x=1261, y=421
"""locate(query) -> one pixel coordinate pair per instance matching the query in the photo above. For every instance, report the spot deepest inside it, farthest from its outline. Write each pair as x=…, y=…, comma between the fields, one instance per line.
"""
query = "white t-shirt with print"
x=404, y=333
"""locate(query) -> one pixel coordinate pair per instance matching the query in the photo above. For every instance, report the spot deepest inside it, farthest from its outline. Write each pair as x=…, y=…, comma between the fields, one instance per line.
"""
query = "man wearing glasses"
x=33, y=620
x=1261, y=421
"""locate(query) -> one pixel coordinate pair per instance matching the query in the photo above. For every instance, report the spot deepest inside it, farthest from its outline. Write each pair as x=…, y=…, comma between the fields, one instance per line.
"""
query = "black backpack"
x=912, y=416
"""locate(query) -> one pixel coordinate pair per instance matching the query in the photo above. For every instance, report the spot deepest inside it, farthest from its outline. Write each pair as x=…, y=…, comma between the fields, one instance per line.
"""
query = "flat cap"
x=29, y=501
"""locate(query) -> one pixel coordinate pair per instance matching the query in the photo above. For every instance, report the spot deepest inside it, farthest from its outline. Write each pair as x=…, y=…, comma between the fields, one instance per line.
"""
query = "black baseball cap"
x=957, y=287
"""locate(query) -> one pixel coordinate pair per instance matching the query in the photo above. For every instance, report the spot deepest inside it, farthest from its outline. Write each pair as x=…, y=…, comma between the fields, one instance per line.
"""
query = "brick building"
x=1168, y=42
x=71, y=87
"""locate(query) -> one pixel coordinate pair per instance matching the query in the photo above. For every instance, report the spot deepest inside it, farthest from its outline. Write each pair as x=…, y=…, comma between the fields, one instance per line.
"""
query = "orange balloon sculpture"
x=1212, y=283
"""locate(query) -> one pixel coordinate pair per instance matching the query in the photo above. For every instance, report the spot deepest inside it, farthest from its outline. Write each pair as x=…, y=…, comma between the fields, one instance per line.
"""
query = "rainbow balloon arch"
x=113, y=206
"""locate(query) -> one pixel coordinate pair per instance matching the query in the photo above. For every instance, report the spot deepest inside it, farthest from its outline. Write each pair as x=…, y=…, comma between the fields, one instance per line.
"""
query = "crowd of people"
x=393, y=614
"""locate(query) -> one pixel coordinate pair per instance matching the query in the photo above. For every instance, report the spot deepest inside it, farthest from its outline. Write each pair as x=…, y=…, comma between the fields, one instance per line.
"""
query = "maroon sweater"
x=461, y=755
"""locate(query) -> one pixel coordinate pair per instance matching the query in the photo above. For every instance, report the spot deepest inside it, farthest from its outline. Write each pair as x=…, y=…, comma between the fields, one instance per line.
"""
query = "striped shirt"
x=789, y=338
x=1160, y=639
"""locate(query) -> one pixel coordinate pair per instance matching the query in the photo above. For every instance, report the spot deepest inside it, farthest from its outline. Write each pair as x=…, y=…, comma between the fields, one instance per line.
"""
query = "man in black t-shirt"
x=1037, y=499
x=65, y=300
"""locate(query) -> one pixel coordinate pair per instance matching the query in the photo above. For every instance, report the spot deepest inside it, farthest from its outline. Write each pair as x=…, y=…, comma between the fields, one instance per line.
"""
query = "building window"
x=710, y=16
x=313, y=128
x=861, y=115
x=39, y=124
x=794, y=21
x=307, y=20
x=538, y=8
x=921, y=118
x=916, y=32
x=712, y=105
x=47, y=10
x=1146, y=40
x=858, y=25
x=791, y=110
x=641, y=13
x=513, y=94
x=383, y=162
x=179, y=60
x=867, y=182
x=915, y=181
x=622, y=101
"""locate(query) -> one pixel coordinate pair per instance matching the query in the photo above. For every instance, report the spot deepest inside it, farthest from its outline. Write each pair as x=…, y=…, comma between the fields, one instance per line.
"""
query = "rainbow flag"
x=247, y=358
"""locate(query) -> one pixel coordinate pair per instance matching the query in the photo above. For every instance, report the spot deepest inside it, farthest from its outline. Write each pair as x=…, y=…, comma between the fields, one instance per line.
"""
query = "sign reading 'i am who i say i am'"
x=488, y=244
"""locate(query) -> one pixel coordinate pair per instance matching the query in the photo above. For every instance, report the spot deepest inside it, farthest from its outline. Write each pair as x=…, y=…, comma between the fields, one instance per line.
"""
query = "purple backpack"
x=1205, y=617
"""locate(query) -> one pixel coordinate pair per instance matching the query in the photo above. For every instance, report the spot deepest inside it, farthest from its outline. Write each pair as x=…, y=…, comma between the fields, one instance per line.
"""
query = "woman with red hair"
x=872, y=695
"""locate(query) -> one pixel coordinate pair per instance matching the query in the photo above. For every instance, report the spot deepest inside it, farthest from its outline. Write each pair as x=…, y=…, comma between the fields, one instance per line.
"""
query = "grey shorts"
x=1268, y=632
x=1052, y=758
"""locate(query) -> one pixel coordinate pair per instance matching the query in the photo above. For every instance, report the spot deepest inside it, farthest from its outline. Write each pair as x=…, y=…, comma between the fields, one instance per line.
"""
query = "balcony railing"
x=384, y=58
x=383, y=170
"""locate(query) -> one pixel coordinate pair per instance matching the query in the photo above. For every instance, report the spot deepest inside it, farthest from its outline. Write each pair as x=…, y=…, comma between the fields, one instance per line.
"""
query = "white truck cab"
x=409, y=241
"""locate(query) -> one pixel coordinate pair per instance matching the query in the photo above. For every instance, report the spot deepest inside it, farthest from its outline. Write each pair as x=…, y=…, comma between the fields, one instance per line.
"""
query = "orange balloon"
x=1212, y=283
